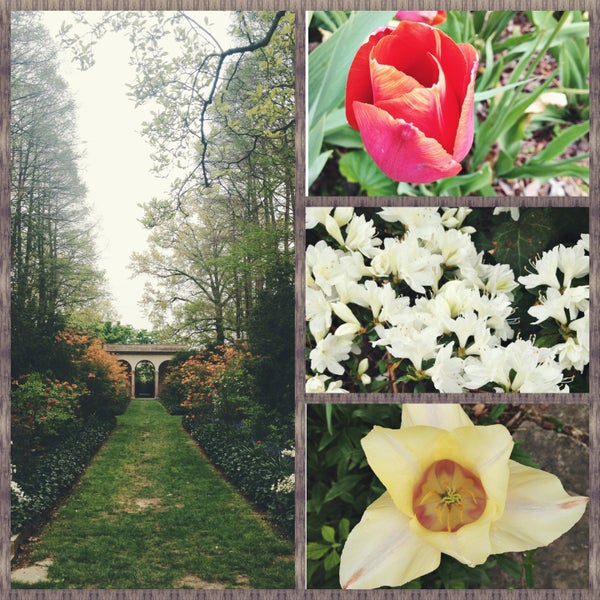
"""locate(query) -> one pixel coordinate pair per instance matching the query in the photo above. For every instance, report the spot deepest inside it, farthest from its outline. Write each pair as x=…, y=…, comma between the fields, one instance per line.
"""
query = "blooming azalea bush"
x=43, y=410
x=216, y=380
x=448, y=103
x=435, y=503
x=448, y=300
x=58, y=420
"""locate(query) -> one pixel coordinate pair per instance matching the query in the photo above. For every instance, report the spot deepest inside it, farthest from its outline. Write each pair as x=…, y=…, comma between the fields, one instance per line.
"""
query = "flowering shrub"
x=214, y=381
x=42, y=410
x=263, y=474
x=417, y=299
x=83, y=359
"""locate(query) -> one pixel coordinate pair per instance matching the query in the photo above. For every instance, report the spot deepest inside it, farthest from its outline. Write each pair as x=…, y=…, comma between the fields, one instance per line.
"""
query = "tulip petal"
x=400, y=150
x=466, y=121
x=433, y=110
x=537, y=511
x=358, y=84
x=485, y=450
x=443, y=416
x=383, y=551
x=408, y=50
x=389, y=84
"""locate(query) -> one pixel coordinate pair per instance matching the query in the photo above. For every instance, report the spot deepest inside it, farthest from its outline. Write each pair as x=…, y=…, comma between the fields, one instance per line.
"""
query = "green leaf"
x=486, y=95
x=315, y=168
x=520, y=455
x=315, y=550
x=517, y=242
x=328, y=413
x=344, y=529
x=509, y=565
x=328, y=533
x=329, y=63
x=359, y=167
x=465, y=184
x=332, y=560
x=337, y=132
x=316, y=158
x=560, y=143
x=341, y=487
x=564, y=168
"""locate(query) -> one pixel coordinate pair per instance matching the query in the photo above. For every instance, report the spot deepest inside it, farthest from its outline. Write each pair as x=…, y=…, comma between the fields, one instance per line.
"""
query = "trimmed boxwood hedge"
x=252, y=467
x=47, y=479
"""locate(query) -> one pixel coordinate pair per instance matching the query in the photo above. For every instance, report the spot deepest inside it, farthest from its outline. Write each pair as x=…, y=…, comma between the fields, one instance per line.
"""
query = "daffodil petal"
x=485, y=451
x=537, y=511
x=470, y=544
x=443, y=416
x=383, y=551
x=400, y=456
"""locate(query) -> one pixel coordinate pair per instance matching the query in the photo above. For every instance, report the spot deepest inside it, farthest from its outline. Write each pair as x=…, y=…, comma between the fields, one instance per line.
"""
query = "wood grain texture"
x=300, y=6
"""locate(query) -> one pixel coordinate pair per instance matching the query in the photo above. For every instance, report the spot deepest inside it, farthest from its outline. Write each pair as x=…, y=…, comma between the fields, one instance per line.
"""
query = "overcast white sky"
x=116, y=167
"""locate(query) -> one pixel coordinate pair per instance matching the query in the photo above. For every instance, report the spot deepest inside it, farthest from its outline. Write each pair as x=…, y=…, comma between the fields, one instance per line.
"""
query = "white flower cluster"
x=562, y=305
x=285, y=485
x=426, y=298
x=15, y=488
x=289, y=452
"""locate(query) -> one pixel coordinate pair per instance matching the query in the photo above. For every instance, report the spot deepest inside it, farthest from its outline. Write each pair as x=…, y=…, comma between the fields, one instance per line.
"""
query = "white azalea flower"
x=329, y=352
x=447, y=371
x=318, y=313
x=361, y=236
x=546, y=267
x=416, y=220
x=518, y=367
x=316, y=385
x=316, y=215
x=573, y=262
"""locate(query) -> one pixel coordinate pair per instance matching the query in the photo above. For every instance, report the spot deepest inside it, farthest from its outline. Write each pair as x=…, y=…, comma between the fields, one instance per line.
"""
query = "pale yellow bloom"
x=451, y=488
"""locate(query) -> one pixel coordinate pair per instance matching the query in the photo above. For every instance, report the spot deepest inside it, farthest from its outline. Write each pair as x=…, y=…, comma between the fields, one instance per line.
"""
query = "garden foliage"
x=59, y=417
x=261, y=472
x=39, y=483
x=243, y=436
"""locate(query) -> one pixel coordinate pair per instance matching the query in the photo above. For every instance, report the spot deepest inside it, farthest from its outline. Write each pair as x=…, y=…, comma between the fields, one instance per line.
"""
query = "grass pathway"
x=150, y=512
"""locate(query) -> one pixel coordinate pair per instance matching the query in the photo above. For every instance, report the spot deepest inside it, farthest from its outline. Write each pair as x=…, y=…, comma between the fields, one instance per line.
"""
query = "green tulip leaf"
x=359, y=167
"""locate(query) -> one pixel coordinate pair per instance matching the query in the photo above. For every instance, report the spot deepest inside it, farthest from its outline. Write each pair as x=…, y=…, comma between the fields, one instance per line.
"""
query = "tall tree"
x=53, y=254
x=223, y=129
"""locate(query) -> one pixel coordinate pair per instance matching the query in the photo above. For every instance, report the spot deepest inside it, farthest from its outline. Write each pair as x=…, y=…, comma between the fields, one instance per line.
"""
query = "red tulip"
x=431, y=17
x=410, y=93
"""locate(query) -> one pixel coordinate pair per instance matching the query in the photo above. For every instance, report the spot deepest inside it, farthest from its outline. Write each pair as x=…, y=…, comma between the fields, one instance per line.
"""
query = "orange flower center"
x=448, y=497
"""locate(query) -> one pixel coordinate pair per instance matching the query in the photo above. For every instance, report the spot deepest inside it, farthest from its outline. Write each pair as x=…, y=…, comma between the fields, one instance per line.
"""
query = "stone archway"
x=144, y=380
x=133, y=354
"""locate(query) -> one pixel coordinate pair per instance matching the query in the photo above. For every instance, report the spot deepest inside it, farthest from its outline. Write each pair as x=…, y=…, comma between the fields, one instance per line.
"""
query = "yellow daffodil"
x=451, y=488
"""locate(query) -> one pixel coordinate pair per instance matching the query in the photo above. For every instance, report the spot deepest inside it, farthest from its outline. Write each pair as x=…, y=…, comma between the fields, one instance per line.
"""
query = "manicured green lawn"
x=150, y=512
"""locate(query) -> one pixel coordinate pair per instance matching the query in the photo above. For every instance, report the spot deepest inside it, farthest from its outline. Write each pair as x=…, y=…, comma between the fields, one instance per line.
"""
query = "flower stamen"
x=448, y=497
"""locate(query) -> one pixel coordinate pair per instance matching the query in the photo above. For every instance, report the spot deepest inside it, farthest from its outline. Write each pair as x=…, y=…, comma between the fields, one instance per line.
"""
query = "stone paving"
x=565, y=563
